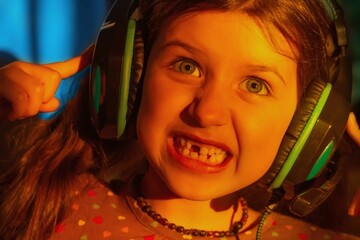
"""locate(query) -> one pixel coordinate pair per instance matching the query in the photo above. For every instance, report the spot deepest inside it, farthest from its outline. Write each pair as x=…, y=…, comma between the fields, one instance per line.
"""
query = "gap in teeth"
x=209, y=154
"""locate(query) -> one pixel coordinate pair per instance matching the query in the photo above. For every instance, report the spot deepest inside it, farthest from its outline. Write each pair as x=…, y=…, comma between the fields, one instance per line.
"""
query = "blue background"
x=43, y=31
x=48, y=30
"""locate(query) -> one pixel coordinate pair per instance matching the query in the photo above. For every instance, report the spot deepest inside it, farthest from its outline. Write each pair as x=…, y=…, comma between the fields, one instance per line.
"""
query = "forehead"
x=231, y=32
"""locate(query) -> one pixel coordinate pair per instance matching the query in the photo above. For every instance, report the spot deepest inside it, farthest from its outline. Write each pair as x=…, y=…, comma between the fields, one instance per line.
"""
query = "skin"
x=214, y=106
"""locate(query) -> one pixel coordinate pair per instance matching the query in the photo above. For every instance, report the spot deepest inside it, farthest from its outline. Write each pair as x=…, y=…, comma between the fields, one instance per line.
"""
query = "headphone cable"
x=275, y=198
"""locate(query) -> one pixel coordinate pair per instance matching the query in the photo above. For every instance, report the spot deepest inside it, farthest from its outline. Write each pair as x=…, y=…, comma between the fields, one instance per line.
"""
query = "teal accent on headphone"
x=96, y=94
x=321, y=162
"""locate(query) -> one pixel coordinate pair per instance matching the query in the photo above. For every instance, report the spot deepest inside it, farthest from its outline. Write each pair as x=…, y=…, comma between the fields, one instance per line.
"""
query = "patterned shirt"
x=100, y=214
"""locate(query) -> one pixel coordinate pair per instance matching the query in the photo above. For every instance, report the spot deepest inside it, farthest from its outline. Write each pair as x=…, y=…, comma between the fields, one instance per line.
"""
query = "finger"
x=352, y=128
x=5, y=108
x=354, y=209
x=50, y=106
x=73, y=65
x=51, y=84
x=50, y=75
x=33, y=88
x=40, y=75
x=17, y=97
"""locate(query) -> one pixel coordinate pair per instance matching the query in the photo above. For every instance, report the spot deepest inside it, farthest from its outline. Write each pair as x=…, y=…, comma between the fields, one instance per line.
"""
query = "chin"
x=196, y=189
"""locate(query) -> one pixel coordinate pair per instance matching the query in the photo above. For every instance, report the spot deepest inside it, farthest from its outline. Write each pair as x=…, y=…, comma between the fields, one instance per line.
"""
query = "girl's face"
x=217, y=100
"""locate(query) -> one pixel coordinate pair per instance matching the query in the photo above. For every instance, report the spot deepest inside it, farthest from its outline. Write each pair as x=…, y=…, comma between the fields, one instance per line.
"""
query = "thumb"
x=354, y=209
x=74, y=65
x=352, y=128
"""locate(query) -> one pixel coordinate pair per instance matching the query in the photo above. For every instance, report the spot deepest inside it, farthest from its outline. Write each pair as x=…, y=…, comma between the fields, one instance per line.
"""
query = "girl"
x=218, y=76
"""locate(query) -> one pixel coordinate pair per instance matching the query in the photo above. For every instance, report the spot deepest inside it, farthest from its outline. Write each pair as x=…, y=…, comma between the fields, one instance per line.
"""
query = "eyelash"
x=264, y=85
x=246, y=84
x=179, y=63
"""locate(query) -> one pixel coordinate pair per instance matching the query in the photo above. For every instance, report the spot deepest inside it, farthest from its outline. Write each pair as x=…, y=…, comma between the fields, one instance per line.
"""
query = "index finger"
x=354, y=209
x=352, y=128
x=74, y=65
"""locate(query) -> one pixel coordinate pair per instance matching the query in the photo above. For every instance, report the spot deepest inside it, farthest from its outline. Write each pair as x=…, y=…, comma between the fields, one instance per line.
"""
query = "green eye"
x=187, y=67
x=254, y=85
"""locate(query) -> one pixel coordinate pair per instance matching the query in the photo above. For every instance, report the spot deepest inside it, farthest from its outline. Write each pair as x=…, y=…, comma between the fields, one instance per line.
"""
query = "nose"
x=210, y=108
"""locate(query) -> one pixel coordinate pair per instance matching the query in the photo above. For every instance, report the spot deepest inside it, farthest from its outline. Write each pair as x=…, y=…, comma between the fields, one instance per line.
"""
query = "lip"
x=195, y=165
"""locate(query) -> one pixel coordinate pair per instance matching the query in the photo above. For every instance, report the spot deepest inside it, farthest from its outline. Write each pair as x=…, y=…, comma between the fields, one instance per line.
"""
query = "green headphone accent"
x=125, y=79
x=299, y=145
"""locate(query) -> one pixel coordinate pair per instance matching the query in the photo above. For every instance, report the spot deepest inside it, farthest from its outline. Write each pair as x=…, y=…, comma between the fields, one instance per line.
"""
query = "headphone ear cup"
x=115, y=71
x=135, y=83
x=297, y=125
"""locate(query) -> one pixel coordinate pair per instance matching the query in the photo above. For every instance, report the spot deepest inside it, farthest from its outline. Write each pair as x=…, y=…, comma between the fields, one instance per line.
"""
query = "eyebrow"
x=258, y=68
x=262, y=68
x=178, y=43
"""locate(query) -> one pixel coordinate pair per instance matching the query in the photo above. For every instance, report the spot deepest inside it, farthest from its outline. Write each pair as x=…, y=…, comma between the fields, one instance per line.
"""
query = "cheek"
x=263, y=134
x=163, y=99
x=149, y=113
x=160, y=108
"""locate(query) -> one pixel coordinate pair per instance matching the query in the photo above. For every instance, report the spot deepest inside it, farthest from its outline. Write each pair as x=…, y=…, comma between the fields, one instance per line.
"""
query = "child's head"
x=223, y=76
x=214, y=83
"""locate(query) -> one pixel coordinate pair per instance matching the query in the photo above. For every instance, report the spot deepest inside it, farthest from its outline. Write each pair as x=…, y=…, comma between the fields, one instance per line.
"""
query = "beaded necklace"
x=235, y=228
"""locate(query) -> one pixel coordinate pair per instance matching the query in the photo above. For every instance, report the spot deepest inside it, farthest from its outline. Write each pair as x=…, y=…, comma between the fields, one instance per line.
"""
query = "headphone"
x=305, y=154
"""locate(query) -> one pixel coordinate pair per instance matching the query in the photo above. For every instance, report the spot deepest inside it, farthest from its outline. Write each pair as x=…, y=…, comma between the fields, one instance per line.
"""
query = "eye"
x=255, y=85
x=187, y=67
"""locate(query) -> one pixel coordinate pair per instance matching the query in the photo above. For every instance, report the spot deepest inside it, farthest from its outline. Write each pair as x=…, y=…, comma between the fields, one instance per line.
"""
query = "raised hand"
x=27, y=89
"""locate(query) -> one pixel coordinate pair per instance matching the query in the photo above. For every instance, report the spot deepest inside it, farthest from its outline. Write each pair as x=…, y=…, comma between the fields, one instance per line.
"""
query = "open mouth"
x=208, y=154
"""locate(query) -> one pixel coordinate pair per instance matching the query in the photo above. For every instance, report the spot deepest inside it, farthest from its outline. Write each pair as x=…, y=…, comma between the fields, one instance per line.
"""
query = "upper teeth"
x=209, y=154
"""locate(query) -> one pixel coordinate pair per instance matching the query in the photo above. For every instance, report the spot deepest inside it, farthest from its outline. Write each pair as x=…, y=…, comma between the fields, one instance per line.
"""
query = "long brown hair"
x=46, y=156
x=43, y=158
